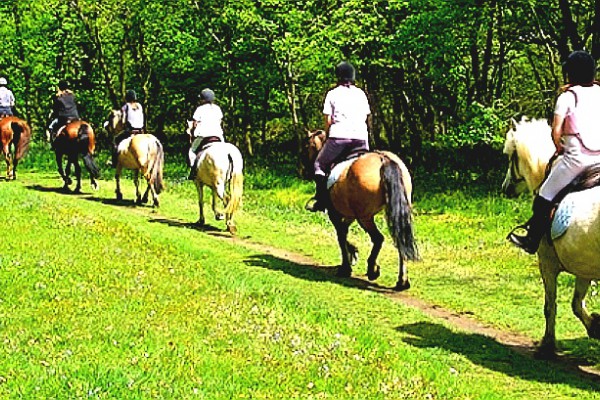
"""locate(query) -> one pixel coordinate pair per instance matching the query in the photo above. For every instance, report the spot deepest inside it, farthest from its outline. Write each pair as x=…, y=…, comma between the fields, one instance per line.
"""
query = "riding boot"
x=193, y=173
x=536, y=227
x=321, y=199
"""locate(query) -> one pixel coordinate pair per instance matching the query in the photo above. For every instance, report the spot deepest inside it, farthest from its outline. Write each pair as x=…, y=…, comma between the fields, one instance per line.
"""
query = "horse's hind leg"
x=218, y=199
x=77, y=175
x=118, y=192
x=200, y=190
x=136, y=181
x=591, y=322
x=341, y=228
x=369, y=226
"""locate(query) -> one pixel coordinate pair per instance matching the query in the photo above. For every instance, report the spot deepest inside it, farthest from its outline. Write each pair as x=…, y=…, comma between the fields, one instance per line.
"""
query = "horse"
x=142, y=153
x=220, y=166
x=529, y=147
x=76, y=138
x=15, y=136
x=372, y=182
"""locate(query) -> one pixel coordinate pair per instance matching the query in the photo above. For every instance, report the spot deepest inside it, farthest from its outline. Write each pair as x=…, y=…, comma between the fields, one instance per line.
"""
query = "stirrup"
x=314, y=205
x=522, y=242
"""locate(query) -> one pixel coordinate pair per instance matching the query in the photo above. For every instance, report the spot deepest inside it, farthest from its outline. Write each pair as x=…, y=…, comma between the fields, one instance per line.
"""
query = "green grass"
x=108, y=300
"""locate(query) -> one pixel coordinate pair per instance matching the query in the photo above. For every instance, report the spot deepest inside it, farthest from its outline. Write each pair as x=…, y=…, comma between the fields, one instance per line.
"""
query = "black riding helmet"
x=580, y=68
x=207, y=95
x=63, y=85
x=130, y=96
x=345, y=72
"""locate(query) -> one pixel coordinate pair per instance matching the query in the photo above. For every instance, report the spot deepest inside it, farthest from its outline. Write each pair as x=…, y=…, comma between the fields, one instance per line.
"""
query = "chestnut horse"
x=529, y=147
x=374, y=181
x=75, y=139
x=15, y=136
x=220, y=166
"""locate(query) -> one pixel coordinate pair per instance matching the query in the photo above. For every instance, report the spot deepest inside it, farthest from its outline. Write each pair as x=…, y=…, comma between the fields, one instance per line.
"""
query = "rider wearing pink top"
x=576, y=135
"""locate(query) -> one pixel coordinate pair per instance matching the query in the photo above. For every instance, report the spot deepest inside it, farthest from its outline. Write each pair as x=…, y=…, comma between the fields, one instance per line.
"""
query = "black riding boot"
x=321, y=199
x=536, y=226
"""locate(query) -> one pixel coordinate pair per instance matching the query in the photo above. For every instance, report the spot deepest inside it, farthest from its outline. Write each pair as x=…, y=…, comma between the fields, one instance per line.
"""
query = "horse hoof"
x=199, y=223
x=156, y=204
x=145, y=199
x=219, y=217
x=119, y=197
x=95, y=186
x=401, y=286
x=232, y=229
x=344, y=272
x=594, y=329
x=373, y=273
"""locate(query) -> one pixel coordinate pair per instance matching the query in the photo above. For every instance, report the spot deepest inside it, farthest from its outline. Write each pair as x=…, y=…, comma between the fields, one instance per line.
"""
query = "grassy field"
x=100, y=299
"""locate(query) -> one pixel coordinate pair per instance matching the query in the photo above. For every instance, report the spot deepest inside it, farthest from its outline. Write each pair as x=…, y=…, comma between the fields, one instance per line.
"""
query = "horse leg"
x=591, y=322
x=547, y=347
x=218, y=198
x=75, y=163
x=200, y=190
x=7, y=158
x=61, y=171
x=118, y=192
x=136, y=181
x=341, y=228
x=369, y=226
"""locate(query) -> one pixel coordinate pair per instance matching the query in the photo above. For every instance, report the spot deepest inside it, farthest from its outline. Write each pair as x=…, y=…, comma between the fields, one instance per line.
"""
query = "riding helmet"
x=3, y=81
x=580, y=67
x=130, y=96
x=345, y=72
x=63, y=84
x=207, y=95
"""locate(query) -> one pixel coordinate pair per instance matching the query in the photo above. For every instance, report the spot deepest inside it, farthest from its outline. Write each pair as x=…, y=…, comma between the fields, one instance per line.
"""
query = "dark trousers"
x=335, y=150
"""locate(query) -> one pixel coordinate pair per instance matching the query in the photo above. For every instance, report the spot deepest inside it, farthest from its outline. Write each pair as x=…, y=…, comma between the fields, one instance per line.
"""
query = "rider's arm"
x=328, y=122
x=557, y=129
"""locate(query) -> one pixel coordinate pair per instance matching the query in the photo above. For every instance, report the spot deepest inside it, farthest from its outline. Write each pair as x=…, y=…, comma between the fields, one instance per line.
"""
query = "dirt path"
x=518, y=343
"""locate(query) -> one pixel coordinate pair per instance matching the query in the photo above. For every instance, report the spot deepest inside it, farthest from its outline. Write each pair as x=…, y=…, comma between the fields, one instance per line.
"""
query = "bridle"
x=517, y=177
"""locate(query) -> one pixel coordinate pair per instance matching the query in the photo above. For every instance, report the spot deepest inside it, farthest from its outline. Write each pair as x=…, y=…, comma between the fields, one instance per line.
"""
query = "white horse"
x=529, y=147
x=220, y=167
x=142, y=153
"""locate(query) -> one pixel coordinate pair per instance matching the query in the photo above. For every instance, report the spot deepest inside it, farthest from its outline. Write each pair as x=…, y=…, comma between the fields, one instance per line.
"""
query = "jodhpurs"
x=574, y=160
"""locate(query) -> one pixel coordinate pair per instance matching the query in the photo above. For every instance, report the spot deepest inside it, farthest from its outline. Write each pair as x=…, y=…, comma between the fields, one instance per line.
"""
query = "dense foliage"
x=441, y=73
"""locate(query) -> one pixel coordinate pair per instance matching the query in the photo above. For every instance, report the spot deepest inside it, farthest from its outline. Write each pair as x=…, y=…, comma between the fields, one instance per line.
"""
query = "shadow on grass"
x=53, y=189
x=513, y=360
x=211, y=230
x=487, y=352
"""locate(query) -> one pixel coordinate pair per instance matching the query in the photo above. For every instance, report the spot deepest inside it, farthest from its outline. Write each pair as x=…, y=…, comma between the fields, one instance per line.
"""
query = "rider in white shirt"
x=7, y=99
x=206, y=127
x=346, y=110
x=132, y=114
x=576, y=135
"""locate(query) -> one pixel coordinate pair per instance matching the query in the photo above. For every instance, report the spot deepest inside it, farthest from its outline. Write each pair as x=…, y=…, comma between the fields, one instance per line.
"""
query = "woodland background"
x=440, y=75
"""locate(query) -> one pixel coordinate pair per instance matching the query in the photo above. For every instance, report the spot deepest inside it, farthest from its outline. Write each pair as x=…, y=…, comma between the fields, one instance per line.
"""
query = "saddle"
x=205, y=142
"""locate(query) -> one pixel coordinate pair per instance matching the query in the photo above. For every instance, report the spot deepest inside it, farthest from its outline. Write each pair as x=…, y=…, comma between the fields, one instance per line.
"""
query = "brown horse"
x=15, y=136
x=374, y=181
x=76, y=138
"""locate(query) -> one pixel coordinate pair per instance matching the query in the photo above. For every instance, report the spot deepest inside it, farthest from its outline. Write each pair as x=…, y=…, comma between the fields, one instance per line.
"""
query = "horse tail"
x=84, y=138
x=236, y=181
x=398, y=210
x=21, y=138
x=156, y=175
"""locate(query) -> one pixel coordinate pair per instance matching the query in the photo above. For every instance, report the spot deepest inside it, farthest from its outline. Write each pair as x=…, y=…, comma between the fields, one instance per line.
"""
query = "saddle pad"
x=562, y=217
x=336, y=172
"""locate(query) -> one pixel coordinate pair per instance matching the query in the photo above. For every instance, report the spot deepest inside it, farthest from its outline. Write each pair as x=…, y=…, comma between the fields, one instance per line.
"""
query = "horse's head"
x=528, y=146
x=190, y=125
x=313, y=144
x=114, y=122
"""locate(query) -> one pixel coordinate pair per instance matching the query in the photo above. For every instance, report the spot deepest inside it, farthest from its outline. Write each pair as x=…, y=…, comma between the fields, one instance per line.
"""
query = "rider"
x=346, y=111
x=132, y=114
x=576, y=135
x=7, y=99
x=64, y=109
x=206, y=127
